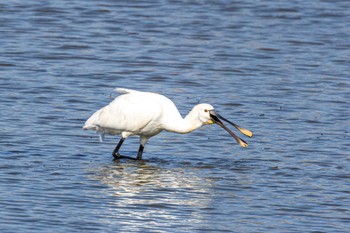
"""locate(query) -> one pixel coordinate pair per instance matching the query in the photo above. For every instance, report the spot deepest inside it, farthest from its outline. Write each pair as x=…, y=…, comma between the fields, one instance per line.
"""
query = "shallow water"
x=278, y=69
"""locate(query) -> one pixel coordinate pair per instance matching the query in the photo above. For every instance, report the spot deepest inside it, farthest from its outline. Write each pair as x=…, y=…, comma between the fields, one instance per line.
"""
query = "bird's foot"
x=119, y=156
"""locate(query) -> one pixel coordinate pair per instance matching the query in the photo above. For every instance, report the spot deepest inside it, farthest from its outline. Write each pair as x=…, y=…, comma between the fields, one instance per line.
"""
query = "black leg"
x=115, y=152
x=139, y=154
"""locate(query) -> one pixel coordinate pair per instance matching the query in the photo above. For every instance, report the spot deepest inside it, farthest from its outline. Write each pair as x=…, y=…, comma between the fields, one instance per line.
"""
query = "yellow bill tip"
x=246, y=132
x=243, y=144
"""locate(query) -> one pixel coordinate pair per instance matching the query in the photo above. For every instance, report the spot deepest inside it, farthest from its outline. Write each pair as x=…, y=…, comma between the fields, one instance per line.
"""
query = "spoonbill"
x=147, y=114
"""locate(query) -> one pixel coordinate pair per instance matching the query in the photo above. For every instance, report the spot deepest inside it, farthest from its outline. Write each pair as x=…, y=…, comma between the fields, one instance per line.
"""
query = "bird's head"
x=207, y=115
x=203, y=111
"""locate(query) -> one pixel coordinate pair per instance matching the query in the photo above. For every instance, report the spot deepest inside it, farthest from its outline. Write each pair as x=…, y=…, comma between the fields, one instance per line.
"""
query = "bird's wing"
x=131, y=113
x=124, y=90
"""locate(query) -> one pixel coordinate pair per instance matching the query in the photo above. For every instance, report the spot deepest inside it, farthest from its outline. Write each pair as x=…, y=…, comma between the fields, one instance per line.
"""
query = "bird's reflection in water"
x=167, y=194
x=127, y=178
x=157, y=183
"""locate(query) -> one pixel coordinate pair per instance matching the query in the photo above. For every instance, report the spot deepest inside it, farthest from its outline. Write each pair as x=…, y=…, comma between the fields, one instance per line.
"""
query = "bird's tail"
x=92, y=122
x=88, y=127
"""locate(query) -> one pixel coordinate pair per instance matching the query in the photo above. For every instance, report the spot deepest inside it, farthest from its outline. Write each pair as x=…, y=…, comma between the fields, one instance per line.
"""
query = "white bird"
x=147, y=114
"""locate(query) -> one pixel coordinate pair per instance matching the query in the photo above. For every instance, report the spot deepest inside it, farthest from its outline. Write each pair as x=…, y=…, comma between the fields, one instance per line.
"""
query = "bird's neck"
x=184, y=125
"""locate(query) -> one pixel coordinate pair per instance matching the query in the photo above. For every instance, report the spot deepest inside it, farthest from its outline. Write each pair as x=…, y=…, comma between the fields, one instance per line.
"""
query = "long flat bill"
x=240, y=141
x=244, y=131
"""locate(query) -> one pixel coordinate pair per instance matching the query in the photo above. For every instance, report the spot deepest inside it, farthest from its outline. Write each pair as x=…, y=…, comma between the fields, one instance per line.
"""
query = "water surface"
x=278, y=69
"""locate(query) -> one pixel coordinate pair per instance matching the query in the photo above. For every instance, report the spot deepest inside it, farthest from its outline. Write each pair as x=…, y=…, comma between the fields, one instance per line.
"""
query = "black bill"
x=216, y=118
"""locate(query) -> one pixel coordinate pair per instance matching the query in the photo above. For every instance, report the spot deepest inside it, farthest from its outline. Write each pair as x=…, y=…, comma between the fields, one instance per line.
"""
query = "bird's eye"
x=206, y=110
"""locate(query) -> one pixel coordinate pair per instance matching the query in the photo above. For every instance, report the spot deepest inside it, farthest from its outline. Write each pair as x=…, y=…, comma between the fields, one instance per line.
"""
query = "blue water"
x=280, y=69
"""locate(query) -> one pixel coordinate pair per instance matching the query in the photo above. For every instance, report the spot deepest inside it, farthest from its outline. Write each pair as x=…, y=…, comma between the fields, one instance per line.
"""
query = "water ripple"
x=279, y=69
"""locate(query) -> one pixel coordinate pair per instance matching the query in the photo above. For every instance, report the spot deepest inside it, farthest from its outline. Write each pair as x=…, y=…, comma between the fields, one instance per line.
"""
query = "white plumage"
x=146, y=114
